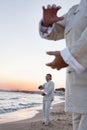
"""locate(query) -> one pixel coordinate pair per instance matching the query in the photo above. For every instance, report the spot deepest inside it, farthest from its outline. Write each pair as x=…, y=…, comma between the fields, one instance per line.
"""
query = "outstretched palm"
x=50, y=15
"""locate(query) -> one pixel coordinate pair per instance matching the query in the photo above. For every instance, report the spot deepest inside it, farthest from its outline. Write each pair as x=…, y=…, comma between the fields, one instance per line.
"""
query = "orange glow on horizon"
x=27, y=86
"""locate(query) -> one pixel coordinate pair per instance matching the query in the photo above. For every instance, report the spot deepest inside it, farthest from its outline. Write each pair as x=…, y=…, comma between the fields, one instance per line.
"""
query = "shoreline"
x=24, y=114
x=20, y=115
x=59, y=120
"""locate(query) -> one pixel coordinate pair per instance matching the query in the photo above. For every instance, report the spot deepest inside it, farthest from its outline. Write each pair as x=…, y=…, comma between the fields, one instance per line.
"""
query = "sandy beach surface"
x=59, y=121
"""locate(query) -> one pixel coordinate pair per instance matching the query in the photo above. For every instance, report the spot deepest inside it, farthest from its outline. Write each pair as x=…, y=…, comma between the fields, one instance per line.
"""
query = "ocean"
x=18, y=105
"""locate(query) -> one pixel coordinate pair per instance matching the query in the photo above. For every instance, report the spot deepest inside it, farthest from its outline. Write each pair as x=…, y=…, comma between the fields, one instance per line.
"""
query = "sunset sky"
x=22, y=51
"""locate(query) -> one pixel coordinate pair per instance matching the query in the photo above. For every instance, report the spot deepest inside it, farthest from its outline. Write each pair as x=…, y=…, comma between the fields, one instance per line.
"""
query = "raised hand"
x=50, y=15
x=58, y=63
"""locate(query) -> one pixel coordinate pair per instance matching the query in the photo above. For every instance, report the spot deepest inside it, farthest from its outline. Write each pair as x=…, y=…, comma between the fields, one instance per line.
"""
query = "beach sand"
x=59, y=121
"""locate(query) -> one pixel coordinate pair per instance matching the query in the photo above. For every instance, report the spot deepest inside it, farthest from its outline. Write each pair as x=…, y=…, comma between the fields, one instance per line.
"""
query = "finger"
x=49, y=6
x=58, y=7
x=43, y=7
x=54, y=6
x=52, y=53
x=50, y=65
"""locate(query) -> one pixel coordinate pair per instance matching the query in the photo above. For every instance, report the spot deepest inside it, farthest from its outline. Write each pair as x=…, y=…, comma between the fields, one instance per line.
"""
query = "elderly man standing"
x=48, y=97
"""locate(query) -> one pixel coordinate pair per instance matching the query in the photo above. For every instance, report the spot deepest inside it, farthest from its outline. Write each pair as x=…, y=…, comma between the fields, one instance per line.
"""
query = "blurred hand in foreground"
x=50, y=15
x=58, y=62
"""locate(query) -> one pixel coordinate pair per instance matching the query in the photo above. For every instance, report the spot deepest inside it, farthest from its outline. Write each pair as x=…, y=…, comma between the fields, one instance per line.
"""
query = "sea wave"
x=14, y=101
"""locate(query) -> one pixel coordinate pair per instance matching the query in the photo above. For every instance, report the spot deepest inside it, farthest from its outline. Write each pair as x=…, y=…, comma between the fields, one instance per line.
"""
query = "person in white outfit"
x=48, y=97
x=73, y=28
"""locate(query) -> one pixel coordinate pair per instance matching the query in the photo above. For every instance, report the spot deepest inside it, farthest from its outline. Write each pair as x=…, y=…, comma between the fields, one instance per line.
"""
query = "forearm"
x=54, y=32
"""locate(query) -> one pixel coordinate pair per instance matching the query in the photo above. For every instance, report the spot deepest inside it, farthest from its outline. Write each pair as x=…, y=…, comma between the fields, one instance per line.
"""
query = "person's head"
x=48, y=77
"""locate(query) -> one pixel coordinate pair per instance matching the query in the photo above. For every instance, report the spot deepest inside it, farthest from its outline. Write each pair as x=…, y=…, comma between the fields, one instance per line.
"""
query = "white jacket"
x=74, y=29
x=49, y=91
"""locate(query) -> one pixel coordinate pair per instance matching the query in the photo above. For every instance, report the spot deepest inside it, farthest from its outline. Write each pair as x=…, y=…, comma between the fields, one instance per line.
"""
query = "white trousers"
x=79, y=121
x=46, y=111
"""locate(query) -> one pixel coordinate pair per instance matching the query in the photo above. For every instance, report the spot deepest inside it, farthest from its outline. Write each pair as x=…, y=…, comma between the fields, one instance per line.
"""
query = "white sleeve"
x=69, y=59
x=44, y=31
